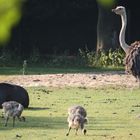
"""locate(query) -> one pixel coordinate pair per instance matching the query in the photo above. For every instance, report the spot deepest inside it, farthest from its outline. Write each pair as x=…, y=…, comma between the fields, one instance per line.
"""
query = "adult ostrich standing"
x=132, y=59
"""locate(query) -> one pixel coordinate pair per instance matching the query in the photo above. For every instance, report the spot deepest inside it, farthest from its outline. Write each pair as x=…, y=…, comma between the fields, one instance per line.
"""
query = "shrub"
x=112, y=58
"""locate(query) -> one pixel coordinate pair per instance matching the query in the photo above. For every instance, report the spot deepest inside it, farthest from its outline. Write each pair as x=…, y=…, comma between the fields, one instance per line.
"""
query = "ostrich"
x=12, y=109
x=76, y=119
x=77, y=109
x=132, y=59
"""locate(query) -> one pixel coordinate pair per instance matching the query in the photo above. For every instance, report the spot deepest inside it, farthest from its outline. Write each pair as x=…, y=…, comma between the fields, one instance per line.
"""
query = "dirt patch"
x=73, y=80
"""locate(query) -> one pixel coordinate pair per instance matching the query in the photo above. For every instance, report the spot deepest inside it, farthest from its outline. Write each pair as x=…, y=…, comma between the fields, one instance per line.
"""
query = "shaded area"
x=99, y=123
x=38, y=108
x=55, y=27
x=63, y=26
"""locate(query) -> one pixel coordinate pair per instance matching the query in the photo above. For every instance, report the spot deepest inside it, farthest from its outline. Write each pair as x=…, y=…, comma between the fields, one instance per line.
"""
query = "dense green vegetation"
x=85, y=61
x=113, y=113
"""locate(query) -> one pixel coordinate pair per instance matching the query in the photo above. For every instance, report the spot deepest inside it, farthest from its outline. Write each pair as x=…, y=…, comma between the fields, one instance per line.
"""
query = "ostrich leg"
x=68, y=131
x=6, y=121
x=13, y=121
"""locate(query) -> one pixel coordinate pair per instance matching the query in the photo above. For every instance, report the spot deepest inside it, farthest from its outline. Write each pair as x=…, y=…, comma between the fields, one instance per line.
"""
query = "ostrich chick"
x=12, y=109
x=76, y=118
x=77, y=110
x=76, y=121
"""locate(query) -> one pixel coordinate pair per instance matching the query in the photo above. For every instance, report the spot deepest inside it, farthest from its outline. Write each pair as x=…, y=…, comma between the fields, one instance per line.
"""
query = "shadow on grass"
x=37, y=123
x=97, y=124
x=38, y=108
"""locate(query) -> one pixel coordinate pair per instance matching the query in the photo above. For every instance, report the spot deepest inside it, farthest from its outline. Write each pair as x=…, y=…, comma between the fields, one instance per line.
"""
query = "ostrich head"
x=119, y=10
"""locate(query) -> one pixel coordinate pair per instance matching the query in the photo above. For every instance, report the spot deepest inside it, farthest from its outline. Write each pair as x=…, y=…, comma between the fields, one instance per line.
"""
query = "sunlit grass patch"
x=113, y=113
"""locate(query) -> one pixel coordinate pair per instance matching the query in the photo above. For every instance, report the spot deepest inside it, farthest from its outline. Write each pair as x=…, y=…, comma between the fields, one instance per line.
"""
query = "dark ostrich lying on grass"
x=11, y=92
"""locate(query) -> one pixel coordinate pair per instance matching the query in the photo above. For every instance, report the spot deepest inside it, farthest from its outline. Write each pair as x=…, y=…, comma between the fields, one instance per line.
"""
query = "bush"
x=85, y=58
x=112, y=58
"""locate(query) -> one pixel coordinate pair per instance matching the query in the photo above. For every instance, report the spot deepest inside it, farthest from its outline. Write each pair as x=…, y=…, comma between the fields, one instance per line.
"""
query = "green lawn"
x=112, y=113
x=53, y=70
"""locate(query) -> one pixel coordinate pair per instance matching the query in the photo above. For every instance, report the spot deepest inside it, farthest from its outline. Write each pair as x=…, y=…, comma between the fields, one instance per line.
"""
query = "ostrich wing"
x=136, y=64
x=132, y=60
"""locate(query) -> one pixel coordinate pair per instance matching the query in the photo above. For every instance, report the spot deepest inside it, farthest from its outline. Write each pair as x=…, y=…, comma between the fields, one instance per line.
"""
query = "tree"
x=107, y=36
x=10, y=14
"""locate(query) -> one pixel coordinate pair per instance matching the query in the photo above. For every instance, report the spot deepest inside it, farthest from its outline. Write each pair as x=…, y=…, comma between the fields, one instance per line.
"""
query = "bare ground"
x=74, y=80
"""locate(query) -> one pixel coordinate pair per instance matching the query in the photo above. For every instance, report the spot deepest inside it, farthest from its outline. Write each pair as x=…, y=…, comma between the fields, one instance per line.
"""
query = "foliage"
x=35, y=56
x=89, y=57
x=64, y=61
x=112, y=113
x=8, y=58
x=112, y=58
x=85, y=58
x=10, y=14
x=106, y=3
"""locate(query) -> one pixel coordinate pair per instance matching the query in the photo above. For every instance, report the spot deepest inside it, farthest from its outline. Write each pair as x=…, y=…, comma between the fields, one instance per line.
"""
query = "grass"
x=112, y=112
x=54, y=70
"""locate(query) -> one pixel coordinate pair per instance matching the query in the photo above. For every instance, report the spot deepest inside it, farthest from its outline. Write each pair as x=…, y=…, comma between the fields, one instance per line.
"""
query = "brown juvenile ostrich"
x=77, y=109
x=77, y=119
x=12, y=109
x=132, y=59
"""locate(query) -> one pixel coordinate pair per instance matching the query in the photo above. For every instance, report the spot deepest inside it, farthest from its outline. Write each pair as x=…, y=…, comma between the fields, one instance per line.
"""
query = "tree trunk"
x=107, y=33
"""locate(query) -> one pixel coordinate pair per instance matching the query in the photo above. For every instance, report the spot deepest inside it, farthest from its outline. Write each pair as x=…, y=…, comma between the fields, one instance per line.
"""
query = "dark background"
x=64, y=26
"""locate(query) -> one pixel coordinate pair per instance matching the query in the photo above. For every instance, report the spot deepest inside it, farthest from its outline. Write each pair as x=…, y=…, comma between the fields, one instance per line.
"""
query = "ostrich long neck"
x=122, y=33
